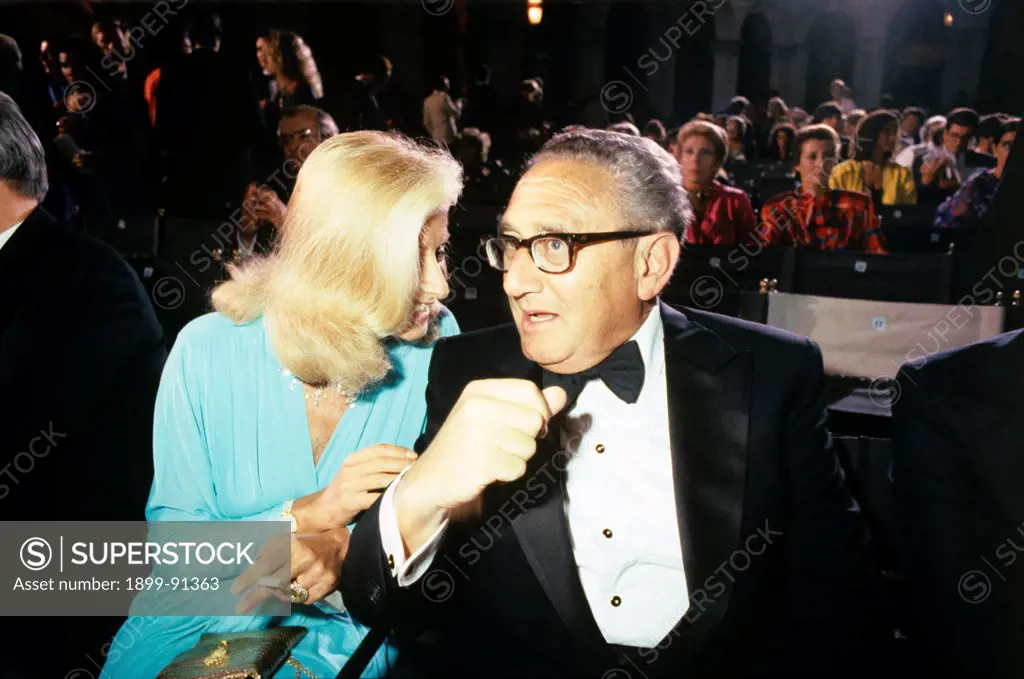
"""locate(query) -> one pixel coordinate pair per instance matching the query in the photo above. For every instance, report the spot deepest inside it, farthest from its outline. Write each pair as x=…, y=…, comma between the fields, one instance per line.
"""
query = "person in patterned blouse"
x=968, y=205
x=814, y=216
x=723, y=215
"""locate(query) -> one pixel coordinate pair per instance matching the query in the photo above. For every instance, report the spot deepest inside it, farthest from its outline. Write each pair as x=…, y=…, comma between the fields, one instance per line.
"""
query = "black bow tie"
x=622, y=372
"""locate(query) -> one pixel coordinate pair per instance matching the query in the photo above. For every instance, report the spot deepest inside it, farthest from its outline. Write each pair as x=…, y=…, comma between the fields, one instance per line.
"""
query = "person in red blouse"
x=722, y=215
x=813, y=215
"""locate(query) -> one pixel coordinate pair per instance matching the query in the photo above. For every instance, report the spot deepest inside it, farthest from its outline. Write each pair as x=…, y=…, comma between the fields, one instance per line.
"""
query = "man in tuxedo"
x=610, y=487
x=958, y=471
x=80, y=356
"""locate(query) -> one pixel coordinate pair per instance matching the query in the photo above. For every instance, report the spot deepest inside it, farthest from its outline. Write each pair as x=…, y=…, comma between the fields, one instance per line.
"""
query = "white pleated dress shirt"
x=6, y=235
x=620, y=504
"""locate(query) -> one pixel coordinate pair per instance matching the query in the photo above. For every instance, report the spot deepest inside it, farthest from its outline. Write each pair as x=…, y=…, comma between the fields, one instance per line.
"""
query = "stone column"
x=965, y=54
x=727, y=64
x=868, y=70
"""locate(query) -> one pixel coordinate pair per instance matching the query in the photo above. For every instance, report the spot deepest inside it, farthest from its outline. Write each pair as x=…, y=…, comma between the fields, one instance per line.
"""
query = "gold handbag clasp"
x=218, y=657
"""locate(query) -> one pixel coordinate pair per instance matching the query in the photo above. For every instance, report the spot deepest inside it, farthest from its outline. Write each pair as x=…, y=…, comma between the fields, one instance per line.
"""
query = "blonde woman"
x=299, y=397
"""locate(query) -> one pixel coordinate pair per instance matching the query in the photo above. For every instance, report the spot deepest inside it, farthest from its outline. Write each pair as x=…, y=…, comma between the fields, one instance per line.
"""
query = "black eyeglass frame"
x=307, y=134
x=575, y=242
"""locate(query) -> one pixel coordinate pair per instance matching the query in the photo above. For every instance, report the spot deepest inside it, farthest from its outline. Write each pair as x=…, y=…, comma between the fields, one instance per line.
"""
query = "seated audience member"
x=738, y=106
x=777, y=111
x=939, y=169
x=798, y=116
x=298, y=399
x=849, y=134
x=969, y=204
x=912, y=119
x=624, y=127
x=871, y=170
x=360, y=106
x=842, y=96
x=486, y=182
x=830, y=114
x=264, y=206
x=441, y=113
x=736, y=129
x=989, y=129
x=814, y=216
x=780, y=142
x=722, y=215
x=655, y=129
x=930, y=142
x=80, y=358
x=958, y=471
x=608, y=404
x=297, y=82
x=929, y=132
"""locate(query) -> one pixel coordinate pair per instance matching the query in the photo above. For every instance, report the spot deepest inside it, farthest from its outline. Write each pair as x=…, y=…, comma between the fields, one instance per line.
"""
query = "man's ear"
x=656, y=260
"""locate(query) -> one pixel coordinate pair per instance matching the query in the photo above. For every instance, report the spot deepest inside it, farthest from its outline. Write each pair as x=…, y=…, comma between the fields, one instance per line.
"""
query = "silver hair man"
x=22, y=160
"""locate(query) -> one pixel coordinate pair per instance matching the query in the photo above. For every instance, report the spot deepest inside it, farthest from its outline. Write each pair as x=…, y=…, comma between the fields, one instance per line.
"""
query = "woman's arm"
x=906, y=188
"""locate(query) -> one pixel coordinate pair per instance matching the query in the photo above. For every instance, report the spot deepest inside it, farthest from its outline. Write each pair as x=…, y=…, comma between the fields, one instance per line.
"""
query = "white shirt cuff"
x=406, y=570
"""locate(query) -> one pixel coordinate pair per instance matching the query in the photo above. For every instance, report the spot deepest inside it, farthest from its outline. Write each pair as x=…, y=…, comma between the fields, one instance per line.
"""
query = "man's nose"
x=523, y=276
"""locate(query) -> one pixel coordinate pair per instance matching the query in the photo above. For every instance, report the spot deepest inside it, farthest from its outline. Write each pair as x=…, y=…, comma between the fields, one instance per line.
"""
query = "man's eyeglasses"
x=552, y=253
x=302, y=136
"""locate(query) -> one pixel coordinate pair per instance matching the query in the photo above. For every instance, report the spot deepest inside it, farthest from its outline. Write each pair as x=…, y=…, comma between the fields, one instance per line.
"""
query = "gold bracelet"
x=300, y=669
x=286, y=515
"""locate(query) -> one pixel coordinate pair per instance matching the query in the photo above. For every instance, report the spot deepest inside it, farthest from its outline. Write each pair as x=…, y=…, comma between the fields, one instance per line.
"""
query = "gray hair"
x=22, y=160
x=325, y=124
x=650, y=184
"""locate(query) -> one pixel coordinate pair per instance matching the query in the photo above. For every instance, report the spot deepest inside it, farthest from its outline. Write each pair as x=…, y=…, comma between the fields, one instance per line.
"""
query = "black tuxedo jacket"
x=768, y=529
x=81, y=354
x=958, y=468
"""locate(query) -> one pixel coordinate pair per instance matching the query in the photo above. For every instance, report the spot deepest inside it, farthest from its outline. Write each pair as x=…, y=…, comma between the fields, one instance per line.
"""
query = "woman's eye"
x=441, y=253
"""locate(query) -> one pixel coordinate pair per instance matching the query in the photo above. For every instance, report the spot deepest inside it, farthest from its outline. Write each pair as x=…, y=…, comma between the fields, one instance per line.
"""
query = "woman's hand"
x=81, y=159
x=930, y=170
x=873, y=176
x=363, y=476
x=316, y=561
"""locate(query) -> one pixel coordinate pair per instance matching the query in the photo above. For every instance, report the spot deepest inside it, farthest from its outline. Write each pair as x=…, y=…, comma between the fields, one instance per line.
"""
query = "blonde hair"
x=345, y=273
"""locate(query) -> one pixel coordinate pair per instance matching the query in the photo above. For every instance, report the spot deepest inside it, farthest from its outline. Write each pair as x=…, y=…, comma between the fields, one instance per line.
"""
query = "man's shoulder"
x=971, y=367
x=748, y=336
x=48, y=248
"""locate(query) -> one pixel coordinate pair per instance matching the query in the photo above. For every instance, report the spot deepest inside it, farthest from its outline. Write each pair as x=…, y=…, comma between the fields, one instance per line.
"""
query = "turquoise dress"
x=231, y=442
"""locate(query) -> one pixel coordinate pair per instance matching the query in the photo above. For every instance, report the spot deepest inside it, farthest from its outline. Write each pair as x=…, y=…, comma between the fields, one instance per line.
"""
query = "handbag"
x=239, y=655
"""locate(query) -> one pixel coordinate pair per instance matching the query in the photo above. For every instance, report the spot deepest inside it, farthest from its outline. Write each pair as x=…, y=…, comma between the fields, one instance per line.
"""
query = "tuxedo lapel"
x=20, y=260
x=543, y=530
x=708, y=386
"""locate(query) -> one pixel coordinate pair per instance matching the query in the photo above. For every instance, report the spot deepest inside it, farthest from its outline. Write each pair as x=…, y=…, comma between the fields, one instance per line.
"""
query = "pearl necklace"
x=320, y=390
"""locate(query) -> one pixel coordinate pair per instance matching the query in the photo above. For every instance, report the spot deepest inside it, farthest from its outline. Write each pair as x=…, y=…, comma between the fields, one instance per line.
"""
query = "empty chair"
x=712, y=276
x=895, y=277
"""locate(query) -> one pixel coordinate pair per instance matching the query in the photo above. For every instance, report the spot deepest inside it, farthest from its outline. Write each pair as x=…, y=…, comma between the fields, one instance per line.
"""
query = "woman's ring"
x=300, y=594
